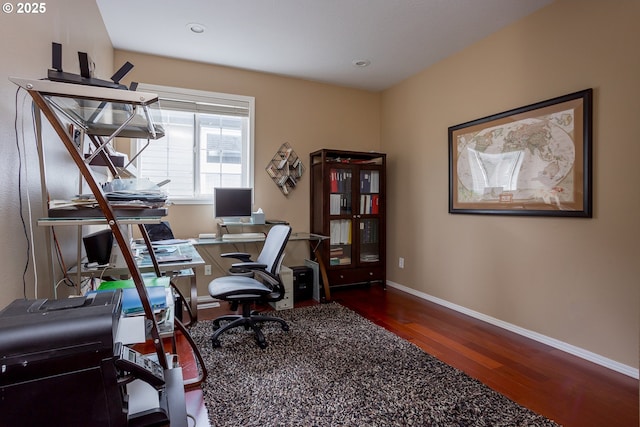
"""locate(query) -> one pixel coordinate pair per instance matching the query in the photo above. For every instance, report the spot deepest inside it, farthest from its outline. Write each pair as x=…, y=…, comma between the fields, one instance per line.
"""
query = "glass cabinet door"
x=369, y=222
x=340, y=206
x=369, y=240
x=340, y=242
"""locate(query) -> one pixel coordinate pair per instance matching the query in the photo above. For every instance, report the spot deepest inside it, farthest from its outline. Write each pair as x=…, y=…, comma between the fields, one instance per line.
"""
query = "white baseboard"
x=205, y=301
x=560, y=345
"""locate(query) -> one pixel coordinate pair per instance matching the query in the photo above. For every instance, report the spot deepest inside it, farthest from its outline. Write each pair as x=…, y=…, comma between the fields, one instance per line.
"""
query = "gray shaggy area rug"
x=336, y=368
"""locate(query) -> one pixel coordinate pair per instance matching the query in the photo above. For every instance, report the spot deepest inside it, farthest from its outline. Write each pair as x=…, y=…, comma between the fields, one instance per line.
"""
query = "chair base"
x=247, y=319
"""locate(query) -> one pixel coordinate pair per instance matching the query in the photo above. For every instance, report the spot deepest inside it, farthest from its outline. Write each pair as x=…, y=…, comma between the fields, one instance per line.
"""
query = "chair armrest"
x=271, y=278
x=249, y=265
x=242, y=256
x=273, y=281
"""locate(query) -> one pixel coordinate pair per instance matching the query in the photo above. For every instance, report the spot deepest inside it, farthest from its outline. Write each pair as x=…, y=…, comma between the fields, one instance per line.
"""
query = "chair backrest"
x=160, y=231
x=272, y=252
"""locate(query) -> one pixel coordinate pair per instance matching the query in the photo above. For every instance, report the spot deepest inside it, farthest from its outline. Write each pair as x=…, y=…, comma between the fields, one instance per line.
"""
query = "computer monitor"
x=232, y=204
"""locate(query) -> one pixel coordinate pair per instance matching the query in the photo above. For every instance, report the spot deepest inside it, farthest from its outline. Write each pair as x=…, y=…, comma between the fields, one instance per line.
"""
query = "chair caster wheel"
x=215, y=343
x=215, y=326
x=285, y=327
x=262, y=344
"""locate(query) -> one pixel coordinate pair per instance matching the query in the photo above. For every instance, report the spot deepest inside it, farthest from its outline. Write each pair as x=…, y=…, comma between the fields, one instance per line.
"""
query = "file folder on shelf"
x=131, y=304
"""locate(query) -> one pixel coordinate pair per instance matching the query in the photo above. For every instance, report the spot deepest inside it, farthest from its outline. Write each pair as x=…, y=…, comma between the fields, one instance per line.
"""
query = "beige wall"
x=25, y=47
x=575, y=280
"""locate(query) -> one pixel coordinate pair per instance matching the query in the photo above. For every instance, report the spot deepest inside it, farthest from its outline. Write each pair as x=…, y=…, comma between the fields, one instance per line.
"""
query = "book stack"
x=340, y=180
x=369, y=203
x=370, y=181
x=336, y=252
x=340, y=232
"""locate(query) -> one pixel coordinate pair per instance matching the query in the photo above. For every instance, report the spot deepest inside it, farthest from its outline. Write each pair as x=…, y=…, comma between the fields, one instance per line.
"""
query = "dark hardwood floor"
x=562, y=387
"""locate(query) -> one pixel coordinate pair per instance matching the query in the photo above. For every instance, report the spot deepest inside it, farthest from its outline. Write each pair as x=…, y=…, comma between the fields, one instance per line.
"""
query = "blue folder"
x=131, y=303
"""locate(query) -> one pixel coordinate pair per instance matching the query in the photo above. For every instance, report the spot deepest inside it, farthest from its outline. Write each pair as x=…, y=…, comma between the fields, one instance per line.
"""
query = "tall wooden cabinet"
x=348, y=199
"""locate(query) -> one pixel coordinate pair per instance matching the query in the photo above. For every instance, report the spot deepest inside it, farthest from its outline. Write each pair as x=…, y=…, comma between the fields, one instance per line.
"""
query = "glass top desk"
x=315, y=244
x=173, y=268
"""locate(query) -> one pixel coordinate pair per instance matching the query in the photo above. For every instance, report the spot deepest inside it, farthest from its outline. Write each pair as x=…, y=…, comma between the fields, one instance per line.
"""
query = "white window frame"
x=209, y=99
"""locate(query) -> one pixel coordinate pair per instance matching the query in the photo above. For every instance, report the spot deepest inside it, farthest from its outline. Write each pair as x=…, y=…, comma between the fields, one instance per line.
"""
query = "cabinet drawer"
x=355, y=275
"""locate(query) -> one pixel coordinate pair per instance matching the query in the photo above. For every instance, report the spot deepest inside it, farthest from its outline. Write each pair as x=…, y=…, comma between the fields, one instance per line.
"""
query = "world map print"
x=526, y=160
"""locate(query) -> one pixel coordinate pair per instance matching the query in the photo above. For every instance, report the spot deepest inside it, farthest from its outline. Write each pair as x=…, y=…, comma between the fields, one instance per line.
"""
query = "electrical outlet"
x=207, y=270
x=401, y=262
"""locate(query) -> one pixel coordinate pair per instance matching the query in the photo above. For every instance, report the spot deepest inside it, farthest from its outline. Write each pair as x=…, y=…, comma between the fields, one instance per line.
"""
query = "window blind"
x=200, y=102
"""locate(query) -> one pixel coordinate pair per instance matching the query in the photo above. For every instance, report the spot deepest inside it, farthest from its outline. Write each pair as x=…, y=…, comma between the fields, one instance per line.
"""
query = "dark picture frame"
x=534, y=160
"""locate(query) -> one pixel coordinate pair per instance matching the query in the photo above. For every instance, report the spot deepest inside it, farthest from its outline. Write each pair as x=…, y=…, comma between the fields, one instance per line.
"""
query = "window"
x=208, y=143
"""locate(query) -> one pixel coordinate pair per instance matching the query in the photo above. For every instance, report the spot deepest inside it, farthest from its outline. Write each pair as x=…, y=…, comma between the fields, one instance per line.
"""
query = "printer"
x=60, y=366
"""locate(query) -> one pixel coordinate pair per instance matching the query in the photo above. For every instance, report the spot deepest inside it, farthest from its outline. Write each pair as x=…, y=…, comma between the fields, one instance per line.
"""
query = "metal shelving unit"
x=87, y=119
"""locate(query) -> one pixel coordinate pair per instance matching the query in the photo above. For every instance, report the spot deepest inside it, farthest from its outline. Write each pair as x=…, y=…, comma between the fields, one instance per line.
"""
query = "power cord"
x=26, y=176
x=24, y=225
x=61, y=264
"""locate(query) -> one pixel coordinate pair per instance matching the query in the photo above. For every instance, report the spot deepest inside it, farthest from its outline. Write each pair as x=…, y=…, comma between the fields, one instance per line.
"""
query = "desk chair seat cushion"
x=238, y=287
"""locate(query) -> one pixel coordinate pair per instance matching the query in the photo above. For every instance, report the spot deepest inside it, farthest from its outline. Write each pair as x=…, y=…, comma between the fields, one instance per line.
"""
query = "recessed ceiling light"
x=361, y=63
x=196, y=28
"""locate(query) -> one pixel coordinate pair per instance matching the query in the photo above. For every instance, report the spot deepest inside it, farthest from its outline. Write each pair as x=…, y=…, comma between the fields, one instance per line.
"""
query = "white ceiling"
x=312, y=39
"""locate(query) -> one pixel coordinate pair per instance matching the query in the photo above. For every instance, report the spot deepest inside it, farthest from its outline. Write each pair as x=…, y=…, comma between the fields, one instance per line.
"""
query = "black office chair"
x=161, y=231
x=245, y=291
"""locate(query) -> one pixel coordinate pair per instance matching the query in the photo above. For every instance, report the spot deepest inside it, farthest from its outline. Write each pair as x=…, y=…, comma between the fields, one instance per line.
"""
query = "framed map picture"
x=533, y=160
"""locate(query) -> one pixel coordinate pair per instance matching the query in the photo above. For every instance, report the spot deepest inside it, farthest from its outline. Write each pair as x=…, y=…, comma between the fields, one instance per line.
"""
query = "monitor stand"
x=232, y=221
x=224, y=223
